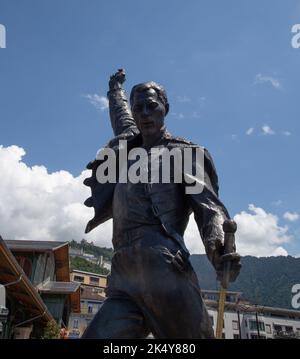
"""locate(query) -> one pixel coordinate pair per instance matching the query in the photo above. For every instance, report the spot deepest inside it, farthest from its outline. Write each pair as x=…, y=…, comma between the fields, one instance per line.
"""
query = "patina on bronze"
x=152, y=286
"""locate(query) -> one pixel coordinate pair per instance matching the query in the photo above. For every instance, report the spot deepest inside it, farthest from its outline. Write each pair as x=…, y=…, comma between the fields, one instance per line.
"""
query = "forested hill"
x=90, y=248
x=265, y=281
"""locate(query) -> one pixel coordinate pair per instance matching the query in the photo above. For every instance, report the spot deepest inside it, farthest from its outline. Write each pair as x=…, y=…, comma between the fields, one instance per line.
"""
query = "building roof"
x=66, y=288
x=88, y=293
x=250, y=309
x=59, y=287
x=37, y=246
x=59, y=249
x=19, y=287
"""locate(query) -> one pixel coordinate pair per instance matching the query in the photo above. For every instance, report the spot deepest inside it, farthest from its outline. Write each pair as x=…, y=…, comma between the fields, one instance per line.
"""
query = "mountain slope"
x=265, y=281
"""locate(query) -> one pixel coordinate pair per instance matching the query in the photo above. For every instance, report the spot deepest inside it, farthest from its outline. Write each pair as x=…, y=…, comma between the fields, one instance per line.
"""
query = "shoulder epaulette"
x=181, y=140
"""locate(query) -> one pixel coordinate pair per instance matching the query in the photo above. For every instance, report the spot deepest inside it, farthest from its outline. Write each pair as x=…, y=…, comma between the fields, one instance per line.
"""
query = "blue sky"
x=228, y=68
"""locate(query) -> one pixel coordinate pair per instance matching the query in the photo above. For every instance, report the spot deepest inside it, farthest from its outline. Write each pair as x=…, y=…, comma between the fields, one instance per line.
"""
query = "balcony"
x=281, y=334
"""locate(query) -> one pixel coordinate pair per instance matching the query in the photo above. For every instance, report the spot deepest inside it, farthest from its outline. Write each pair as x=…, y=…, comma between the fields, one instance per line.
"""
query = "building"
x=243, y=320
x=36, y=278
x=92, y=296
x=91, y=301
x=89, y=279
x=105, y=263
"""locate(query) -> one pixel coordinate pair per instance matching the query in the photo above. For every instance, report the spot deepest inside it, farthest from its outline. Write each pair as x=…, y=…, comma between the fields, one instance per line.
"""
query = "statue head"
x=161, y=92
x=149, y=105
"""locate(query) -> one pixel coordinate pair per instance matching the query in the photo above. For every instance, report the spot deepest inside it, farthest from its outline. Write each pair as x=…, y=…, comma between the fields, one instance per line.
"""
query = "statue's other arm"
x=120, y=114
x=209, y=211
x=210, y=214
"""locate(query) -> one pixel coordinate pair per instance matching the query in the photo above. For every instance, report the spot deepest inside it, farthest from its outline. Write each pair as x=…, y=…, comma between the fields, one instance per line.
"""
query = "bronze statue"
x=152, y=286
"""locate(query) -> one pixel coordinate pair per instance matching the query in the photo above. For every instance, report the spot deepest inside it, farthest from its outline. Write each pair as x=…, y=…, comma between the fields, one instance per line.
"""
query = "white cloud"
x=100, y=102
x=192, y=238
x=291, y=216
x=267, y=130
x=249, y=131
x=37, y=205
x=260, y=79
x=286, y=133
x=259, y=233
x=183, y=99
x=178, y=116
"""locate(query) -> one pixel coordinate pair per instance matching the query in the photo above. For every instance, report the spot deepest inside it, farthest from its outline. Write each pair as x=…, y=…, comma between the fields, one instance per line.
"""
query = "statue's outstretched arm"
x=120, y=114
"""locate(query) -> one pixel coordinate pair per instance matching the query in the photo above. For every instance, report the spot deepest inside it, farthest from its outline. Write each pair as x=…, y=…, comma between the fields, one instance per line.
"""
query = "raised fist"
x=116, y=80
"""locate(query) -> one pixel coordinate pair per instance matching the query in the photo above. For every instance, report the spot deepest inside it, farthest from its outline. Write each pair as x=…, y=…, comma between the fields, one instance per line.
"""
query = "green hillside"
x=84, y=265
x=80, y=263
x=90, y=248
x=265, y=281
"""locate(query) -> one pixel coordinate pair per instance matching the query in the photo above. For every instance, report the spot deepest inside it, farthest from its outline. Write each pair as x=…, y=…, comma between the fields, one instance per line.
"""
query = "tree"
x=52, y=330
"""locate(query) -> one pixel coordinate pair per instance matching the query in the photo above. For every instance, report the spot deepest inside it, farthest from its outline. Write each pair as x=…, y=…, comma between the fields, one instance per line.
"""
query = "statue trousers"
x=149, y=290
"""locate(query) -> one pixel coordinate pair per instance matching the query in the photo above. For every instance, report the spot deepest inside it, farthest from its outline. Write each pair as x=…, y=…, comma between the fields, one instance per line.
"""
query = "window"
x=75, y=324
x=261, y=326
x=253, y=325
x=236, y=336
x=288, y=329
x=90, y=309
x=94, y=280
x=83, y=306
x=235, y=325
x=277, y=328
x=230, y=298
x=268, y=329
x=78, y=278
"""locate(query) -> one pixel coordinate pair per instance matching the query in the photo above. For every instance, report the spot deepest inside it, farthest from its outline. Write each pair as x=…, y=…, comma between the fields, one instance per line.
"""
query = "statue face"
x=148, y=112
